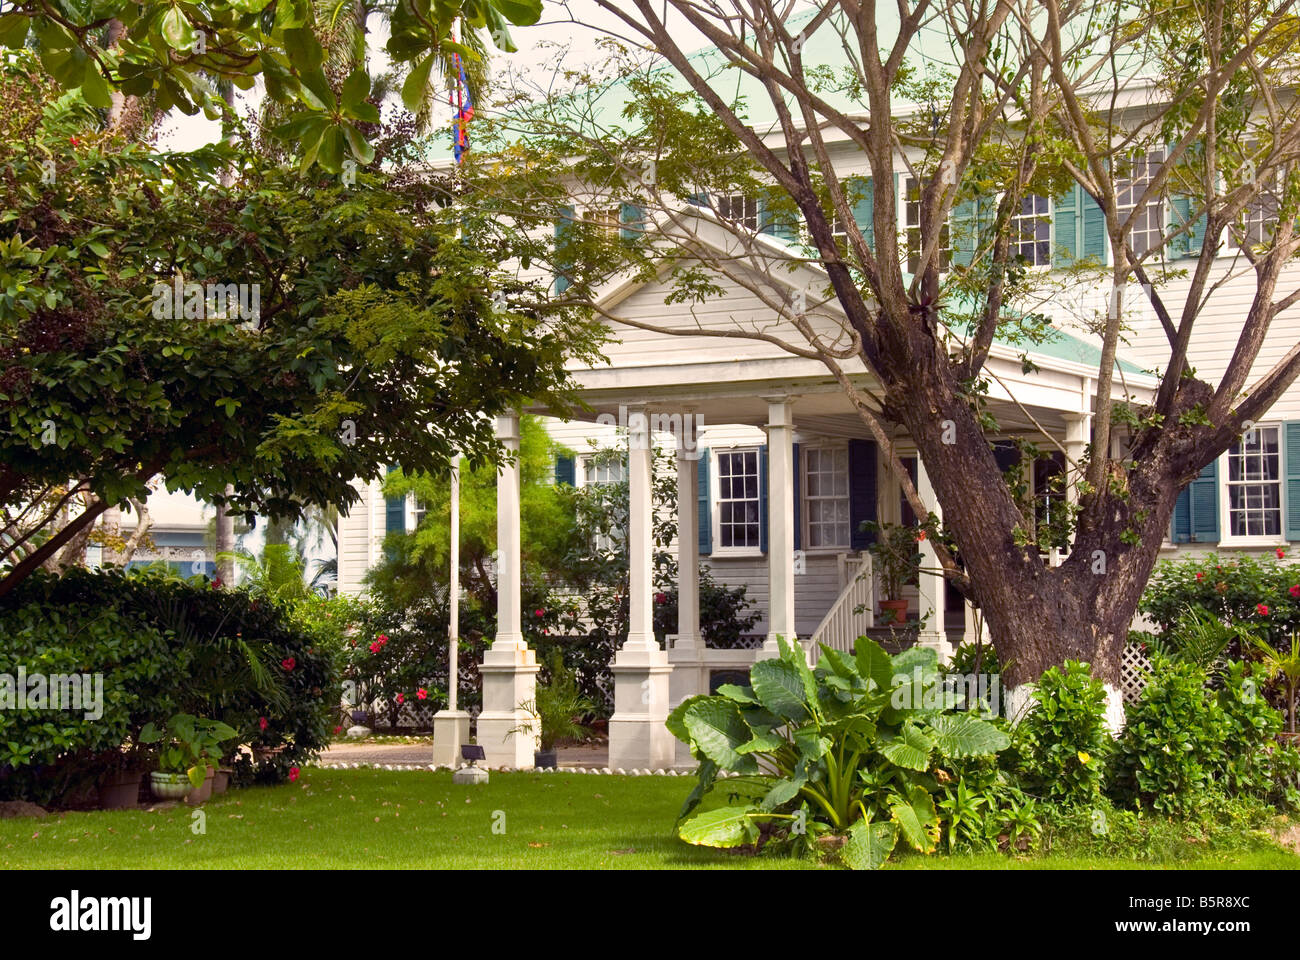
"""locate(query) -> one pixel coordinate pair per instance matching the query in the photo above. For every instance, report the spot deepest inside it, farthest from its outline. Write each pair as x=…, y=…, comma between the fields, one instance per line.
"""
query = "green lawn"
x=365, y=818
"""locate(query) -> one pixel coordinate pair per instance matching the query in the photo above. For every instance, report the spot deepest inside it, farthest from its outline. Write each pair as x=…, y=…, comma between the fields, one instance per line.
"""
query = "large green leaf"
x=676, y=722
x=177, y=30
x=916, y=818
x=707, y=775
x=416, y=82
x=922, y=657
x=911, y=749
x=778, y=686
x=721, y=827
x=717, y=728
x=783, y=792
x=874, y=663
x=965, y=735
x=869, y=844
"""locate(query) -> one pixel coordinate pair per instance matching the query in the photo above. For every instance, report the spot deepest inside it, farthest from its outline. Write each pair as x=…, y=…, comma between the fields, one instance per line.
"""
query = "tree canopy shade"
x=285, y=334
x=816, y=111
x=172, y=51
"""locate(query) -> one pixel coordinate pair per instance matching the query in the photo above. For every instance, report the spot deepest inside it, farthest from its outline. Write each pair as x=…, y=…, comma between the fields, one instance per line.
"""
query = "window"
x=1255, y=484
x=1031, y=231
x=739, y=209
x=1259, y=218
x=418, y=512
x=607, y=221
x=600, y=470
x=1049, y=489
x=826, y=496
x=912, y=215
x=839, y=232
x=1148, y=229
x=738, y=499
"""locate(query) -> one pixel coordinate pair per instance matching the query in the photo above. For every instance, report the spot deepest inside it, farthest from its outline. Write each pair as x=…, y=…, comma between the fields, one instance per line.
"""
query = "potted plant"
x=554, y=712
x=1285, y=664
x=189, y=749
x=119, y=786
x=897, y=561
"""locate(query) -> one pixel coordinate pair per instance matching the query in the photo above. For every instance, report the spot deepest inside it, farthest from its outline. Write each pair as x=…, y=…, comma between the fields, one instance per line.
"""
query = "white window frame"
x=742, y=221
x=580, y=471
x=1226, y=537
x=805, y=513
x=944, y=251
x=1160, y=201
x=715, y=491
x=599, y=218
x=1049, y=218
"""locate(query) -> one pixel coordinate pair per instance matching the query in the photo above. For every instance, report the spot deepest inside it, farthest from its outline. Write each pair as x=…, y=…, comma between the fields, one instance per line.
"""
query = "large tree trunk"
x=225, y=542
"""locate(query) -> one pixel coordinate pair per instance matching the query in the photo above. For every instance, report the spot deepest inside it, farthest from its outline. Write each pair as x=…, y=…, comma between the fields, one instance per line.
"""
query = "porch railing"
x=851, y=613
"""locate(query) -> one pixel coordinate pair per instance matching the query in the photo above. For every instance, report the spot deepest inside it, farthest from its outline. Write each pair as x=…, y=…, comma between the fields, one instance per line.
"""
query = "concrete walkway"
x=582, y=755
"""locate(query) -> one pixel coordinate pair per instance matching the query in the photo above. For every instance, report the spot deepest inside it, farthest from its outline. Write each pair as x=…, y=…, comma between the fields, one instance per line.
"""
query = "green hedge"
x=163, y=646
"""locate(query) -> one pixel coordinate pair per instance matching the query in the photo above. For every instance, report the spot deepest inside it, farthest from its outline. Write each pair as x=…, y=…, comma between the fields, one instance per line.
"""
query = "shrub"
x=1173, y=740
x=219, y=654
x=856, y=750
x=1063, y=741
x=1253, y=764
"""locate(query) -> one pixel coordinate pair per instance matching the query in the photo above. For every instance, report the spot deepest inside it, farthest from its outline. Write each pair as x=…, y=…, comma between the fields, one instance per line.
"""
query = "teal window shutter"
x=1185, y=244
x=1196, y=511
x=862, y=492
x=762, y=498
x=965, y=231
x=1093, y=231
x=775, y=224
x=1065, y=227
x=565, y=470
x=563, y=228
x=632, y=221
x=704, y=508
x=864, y=208
x=394, y=517
x=1292, y=431
x=798, y=471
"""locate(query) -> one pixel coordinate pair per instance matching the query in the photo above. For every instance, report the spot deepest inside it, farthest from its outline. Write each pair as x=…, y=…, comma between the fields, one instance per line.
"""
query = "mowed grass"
x=356, y=819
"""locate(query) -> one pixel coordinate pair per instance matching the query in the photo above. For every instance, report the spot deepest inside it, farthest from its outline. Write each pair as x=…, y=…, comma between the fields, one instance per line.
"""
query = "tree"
x=111, y=49
x=284, y=334
x=984, y=105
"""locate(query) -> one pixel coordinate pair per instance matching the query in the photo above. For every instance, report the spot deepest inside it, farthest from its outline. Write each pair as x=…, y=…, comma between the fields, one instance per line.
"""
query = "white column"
x=638, y=738
x=509, y=667
x=451, y=726
x=780, y=523
x=688, y=537
x=1078, y=431
x=931, y=583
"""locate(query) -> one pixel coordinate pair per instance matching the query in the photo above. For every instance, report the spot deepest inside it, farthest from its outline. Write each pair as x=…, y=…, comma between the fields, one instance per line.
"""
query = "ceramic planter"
x=899, y=608
x=169, y=786
x=221, y=781
x=203, y=793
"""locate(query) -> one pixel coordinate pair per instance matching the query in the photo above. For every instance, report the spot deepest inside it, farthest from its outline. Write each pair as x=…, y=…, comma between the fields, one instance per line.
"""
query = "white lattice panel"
x=1134, y=671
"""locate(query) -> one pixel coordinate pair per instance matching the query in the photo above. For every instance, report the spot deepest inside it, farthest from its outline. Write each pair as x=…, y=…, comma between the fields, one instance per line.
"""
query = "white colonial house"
x=776, y=472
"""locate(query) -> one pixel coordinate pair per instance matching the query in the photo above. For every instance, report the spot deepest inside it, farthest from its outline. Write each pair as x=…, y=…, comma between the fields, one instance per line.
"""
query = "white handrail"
x=851, y=613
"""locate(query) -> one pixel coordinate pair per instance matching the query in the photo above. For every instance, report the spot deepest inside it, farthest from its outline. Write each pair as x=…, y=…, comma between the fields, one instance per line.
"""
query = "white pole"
x=453, y=599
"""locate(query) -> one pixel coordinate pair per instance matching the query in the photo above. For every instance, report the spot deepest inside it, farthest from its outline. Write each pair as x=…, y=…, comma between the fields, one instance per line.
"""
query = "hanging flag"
x=464, y=113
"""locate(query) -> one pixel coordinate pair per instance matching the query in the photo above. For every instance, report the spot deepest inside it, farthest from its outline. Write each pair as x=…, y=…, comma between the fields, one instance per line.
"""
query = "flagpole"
x=453, y=624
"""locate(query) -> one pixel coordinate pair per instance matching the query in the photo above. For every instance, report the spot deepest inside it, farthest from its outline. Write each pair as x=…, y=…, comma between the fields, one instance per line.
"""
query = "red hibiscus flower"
x=75, y=141
x=1200, y=576
x=381, y=639
x=422, y=694
x=293, y=774
x=288, y=663
x=661, y=598
x=1261, y=609
x=1281, y=554
x=338, y=729
x=539, y=612
x=1295, y=591
x=401, y=698
x=261, y=723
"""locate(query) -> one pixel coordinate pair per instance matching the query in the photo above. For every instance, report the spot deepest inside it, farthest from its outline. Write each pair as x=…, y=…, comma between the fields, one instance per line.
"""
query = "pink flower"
x=422, y=694
x=374, y=648
x=1295, y=591
x=293, y=774
x=382, y=639
x=401, y=698
x=1261, y=609
x=1281, y=554
x=661, y=598
x=338, y=730
x=539, y=612
x=288, y=663
x=261, y=723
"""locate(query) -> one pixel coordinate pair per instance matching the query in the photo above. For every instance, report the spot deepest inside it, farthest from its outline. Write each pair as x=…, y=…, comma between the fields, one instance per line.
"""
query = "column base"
x=509, y=672
x=638, y=738
x=772, y=649
x=450, y=730
x=937, y=642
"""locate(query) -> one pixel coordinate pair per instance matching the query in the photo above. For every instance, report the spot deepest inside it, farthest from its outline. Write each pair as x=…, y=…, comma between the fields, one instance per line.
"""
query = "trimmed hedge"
x=163, y=646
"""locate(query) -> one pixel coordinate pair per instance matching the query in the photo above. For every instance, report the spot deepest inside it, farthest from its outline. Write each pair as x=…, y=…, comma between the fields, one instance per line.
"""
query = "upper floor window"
x=1259, y=218
x=1147, y=231
x=738, y=499
x=739, y=209
x=912, y=221
x=606, y=220
x=826, y=496
x=1255, y=484
x=1031, y=231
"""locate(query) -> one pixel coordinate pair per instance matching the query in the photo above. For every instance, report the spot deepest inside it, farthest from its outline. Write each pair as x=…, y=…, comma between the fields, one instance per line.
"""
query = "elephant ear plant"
x=854, y=750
